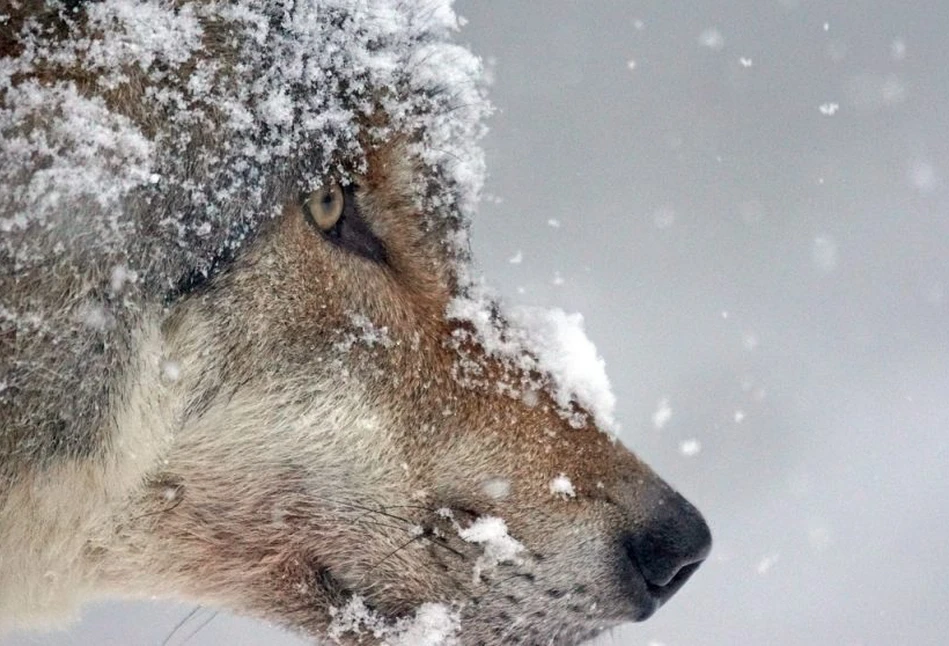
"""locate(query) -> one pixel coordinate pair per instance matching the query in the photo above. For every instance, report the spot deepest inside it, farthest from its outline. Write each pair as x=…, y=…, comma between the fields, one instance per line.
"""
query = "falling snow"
x=662, y=415
x=690, y=448
x=664, y=217
x=898, y=49
x=766, y=563
x=712, y=38
x=824, y=253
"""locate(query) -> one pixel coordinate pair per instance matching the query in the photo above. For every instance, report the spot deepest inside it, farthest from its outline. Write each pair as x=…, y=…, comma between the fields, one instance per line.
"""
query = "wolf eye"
x=333, y=210
x=325, y=207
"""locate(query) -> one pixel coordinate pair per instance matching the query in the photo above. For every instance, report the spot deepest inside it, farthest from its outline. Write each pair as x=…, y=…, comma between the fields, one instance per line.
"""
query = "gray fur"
x=165, y=218
x=204, y=397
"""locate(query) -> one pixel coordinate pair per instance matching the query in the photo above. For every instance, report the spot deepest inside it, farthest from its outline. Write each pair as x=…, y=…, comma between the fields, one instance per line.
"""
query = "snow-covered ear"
x=324, y=207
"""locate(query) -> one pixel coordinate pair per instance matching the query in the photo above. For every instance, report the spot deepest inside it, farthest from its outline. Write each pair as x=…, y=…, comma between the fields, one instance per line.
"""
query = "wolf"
x=245, y=360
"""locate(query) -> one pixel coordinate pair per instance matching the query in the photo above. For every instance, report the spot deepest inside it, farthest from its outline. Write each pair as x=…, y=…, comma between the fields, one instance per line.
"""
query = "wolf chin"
x=243, y=359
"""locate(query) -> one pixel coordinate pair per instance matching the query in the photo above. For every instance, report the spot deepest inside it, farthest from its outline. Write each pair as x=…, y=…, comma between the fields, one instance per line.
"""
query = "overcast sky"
x=750, y=206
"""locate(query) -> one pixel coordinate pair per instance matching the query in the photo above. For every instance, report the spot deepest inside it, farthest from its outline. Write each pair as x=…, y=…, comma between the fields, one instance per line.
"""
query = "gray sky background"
x=753, y=200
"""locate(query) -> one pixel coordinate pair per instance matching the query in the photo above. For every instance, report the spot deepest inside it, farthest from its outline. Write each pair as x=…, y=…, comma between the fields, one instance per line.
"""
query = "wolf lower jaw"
x=68, y=533
x=65, y=535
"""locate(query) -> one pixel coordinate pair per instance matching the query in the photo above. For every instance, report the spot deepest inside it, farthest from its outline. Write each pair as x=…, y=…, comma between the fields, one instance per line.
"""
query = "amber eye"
x=325, y=206
x=334, y=212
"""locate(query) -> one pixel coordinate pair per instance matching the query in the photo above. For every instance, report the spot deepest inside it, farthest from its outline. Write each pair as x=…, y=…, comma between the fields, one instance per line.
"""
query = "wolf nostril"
x=670, y=544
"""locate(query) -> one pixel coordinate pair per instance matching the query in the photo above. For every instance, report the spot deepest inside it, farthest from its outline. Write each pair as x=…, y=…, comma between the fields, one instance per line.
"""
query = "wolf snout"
x=668, y=545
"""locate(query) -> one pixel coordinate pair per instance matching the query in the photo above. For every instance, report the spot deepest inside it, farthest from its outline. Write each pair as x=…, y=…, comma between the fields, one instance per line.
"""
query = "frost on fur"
x=205, y=394
x=547, y=348
x=561, y=486
x=294, y=88
x=499, y=547
x=434, y=624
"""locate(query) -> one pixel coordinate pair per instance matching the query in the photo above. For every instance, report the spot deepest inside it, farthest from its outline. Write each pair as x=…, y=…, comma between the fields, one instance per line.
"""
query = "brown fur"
x=290, y=432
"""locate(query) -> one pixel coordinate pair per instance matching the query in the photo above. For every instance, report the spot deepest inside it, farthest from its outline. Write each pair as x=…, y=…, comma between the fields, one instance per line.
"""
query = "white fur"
x=49, y=517
x=52, y=521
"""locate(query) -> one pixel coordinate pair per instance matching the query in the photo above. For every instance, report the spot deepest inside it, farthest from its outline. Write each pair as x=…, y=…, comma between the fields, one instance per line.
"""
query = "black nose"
x=669, y=545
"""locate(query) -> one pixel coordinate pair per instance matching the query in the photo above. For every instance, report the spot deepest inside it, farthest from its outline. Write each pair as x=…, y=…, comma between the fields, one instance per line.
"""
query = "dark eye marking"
x=334, y=212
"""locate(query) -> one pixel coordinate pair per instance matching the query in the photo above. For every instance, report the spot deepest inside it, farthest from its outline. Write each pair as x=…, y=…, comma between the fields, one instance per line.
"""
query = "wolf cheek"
x=344, y=452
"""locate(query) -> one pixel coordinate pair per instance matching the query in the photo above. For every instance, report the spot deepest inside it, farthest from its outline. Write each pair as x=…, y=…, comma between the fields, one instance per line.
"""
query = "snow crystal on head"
x=547, y=341
x=142, y=32
x=86, y=153
x=207, y=134
x=564, y=350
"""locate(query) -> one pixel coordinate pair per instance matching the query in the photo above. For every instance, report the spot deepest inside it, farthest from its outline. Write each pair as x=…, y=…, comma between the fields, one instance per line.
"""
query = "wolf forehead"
x=145, y=145
x=169, y=132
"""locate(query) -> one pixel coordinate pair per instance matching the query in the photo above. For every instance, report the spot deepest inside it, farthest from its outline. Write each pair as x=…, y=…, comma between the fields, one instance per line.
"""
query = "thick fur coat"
x=211, y=389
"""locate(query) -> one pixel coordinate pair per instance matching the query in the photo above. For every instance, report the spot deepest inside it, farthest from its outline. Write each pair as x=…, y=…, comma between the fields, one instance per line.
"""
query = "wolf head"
x=319, y=418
